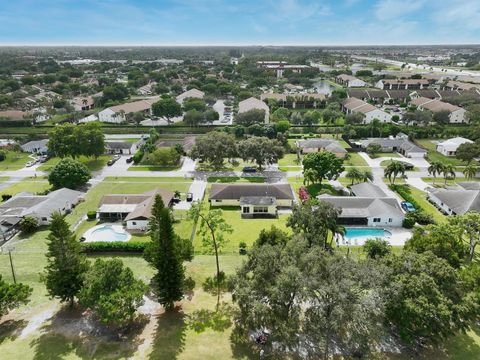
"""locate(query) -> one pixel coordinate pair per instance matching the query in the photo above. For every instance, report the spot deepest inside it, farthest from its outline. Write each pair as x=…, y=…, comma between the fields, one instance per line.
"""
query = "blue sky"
x=231, y=22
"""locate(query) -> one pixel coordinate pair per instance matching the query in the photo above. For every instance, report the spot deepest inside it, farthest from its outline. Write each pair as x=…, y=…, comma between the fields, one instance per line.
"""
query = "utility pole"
x=11, y=266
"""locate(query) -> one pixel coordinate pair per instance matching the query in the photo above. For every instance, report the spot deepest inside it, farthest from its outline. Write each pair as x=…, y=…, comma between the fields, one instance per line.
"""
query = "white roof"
x=455, y=141
x=117, y=208
x=192, y=93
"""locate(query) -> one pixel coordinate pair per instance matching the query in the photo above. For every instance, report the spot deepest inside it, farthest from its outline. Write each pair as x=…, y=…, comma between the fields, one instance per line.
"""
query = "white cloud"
x=461, y=14
x=393, y=9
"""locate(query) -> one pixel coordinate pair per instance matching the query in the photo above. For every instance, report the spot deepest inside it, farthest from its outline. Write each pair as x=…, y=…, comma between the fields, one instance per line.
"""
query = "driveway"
x=197, y=188
x=417, y=162
x=219, y=107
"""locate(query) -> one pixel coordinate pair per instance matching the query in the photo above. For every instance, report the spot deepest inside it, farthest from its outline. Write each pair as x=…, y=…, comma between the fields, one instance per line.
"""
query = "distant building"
x=402, y=84
x=354, y=105
x=350, y=81
x=120, y=147
x=449, y=147
x=456, y=113
x=253, y=103
x=35, y=147
x=190, y=94
x=118, y=114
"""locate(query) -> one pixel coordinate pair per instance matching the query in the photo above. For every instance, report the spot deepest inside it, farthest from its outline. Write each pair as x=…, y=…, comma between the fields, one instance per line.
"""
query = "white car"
x=30, y=163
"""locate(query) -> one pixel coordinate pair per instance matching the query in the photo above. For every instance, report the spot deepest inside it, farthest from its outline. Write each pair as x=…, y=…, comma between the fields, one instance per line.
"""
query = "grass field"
x=387, y=154
x=152, y=168
x=91, y=163
x=32, y=185
x=14, y=161
x=355, y=160
x=434, y=156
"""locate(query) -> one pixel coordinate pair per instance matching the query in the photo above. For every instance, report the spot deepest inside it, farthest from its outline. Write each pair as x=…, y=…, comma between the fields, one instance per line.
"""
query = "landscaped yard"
x=152, y=168
x=14, y=161
x=450, y=182
x=384, y=154
x=33, y=185
x=92, y=163
x=355, y=160
x=435, y=156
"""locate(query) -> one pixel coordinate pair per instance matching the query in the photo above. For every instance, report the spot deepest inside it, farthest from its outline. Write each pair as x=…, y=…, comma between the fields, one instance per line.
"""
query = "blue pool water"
x=107, y=233
x=352, y=233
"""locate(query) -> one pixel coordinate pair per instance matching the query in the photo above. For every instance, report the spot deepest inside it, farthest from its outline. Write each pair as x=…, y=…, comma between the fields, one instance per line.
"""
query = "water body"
x=323, y=87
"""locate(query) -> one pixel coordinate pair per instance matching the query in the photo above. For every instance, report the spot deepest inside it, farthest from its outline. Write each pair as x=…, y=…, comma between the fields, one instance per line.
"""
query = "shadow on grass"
x=170, y=335
x=217, y=320
x=71, y=332
x=11, y=329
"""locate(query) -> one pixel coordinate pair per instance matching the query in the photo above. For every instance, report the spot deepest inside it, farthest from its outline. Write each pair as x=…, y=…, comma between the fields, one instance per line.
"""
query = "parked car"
x=129, y=160
x=249, y=169
x=30, y=163
x=189, y=197
x=407, y=206
x=113, y=160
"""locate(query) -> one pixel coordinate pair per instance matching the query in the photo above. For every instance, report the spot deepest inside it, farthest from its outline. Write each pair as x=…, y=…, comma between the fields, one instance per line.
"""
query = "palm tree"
x=374, y=125
x=394, y=169
x=309, y=177
x=448, y=171
x=470, y=171
x=435, y=168
x=354, y=174
x=367, y=175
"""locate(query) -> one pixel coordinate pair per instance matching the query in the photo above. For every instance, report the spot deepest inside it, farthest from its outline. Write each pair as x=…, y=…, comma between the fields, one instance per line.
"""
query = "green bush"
x=28, y=224
x=242, y=248
x=423, y=218
x=138, y=157
x=3, y=155
x=114, y=246
x=408, y=222
x=91, y=215
x=5, y=197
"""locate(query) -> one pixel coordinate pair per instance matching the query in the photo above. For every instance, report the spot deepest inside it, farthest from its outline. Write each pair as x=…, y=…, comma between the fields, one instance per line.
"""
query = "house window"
x=260, y=209
x=44, y=219
x=376, y=220
x=246, y=210
x=390, y=219
x=218, y=201
x=134, y=223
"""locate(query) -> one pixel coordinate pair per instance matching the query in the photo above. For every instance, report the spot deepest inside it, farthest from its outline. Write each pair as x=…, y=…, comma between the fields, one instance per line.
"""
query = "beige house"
x=315, y=145
x=253, y=103
x=254, y=200
x=189, y=94
x=350, y=81
x=457, y=114
x=118, y=113
x=353, y=105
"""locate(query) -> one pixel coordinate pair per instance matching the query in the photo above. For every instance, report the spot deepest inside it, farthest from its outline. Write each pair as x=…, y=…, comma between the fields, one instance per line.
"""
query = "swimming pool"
x=106, y=232
x=358, y=236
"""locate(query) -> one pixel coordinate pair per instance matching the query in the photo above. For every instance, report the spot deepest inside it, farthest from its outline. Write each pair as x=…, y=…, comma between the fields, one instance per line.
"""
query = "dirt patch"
x=37, y=321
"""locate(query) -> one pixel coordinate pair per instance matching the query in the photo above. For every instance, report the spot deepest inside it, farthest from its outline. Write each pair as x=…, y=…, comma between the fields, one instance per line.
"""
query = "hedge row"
x=114, y=246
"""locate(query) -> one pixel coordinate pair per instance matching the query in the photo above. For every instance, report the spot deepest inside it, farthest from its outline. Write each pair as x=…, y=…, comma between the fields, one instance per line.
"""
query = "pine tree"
x=162, y=253
x=66, y=268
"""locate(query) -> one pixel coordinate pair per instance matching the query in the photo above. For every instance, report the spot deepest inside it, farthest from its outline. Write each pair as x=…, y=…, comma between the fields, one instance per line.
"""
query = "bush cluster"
x=114, y=246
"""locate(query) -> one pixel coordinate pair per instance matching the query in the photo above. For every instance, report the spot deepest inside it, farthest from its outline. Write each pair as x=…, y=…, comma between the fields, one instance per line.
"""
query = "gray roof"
x=257, y=200
x=33, y=145
x=363, y=207
x=237, y=191
x=400, y=143
x=367, y=189
x=470, y=185
x=459, y=201
x=327, y=144
x=119, y=145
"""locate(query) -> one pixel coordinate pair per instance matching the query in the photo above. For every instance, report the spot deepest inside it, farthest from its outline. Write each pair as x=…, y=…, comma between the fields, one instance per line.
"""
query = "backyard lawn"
x=14, y=161
x=435, y=156
x=92, y=163
x=33, y=185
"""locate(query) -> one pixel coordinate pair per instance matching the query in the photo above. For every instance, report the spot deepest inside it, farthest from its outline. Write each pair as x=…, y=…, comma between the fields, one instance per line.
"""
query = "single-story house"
x=120, y=147
x=40, y=207
x=367, y=189
x=253, y=199
x=188, y=142
x=293, y=101
x=458, y=85
x=399, y=143
x=254, y=103
x=449, y=147
x=456, y=200
x=36, y=146
x=83, y=103
x=316, y=145
x=192, y=93
x=354, y=105
x=134, y=209
x=456, y=113
x=350, y=81
x=118, y=113
x=373, y=208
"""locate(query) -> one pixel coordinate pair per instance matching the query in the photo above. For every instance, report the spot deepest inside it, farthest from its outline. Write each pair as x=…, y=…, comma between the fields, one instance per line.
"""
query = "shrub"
x=69, y=173
x=377, y=248
x=114, y=246
x=423, y=218
x=408, y=222
x=242, y=248
x=5, y=197
x=3, y=155
x=91, y=215
x=138, y=157
x=162, y=157
x=28, y=224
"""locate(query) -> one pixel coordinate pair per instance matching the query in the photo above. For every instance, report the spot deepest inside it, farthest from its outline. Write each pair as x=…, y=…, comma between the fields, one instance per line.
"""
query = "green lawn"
x=421, y=198
x=30, y=185
x=152, y=168
x=387, y=154
x=385, y=163
x=14, y=161
x=91, y=163
x=289, y=160
x=355, y=160
x=435, y=156
x=232, y=179
x=441, y=181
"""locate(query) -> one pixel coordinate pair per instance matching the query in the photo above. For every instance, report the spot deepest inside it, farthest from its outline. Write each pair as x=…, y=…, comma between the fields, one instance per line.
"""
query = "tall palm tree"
x=354, y=174
x=309, y=176
x=448, y=171
x=470, y=171
x=435, y=168
x=367, y=175
x=393, y=170
x=374, y=125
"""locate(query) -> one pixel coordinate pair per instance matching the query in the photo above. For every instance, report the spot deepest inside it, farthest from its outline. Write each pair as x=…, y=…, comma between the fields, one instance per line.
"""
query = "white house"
x=192, y=93
x=118, y=114
x=354, y=105
x=370, y=207
x=457, y=114
x=449, y=147
x=36, y=146
x=350, y=81
x=120, y=147
x=458, y=200
x=134, y=209
x=253, y=103
x=254, y=200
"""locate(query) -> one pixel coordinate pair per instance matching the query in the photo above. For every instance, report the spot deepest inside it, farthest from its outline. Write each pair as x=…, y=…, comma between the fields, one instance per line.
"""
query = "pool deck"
x=398, y=238
x=115, y=227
